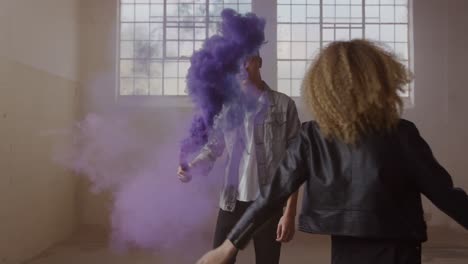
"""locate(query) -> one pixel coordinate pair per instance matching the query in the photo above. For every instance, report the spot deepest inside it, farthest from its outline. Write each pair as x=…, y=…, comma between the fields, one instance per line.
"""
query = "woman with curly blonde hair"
x=353, y=88
x=363, y=166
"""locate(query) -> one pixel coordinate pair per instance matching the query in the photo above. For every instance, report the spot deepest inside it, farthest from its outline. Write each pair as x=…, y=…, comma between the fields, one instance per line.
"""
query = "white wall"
x=38, y=83
x=438, y=109
x=42, y=34
x=458, y=90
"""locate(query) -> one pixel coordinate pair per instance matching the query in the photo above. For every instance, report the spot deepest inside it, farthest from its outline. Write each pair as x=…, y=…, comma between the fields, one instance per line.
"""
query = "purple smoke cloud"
x=211, y=78
x=150, y=208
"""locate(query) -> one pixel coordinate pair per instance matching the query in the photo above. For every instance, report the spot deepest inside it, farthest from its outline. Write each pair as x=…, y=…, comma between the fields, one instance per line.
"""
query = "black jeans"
x=267, y=250
x=349, y=250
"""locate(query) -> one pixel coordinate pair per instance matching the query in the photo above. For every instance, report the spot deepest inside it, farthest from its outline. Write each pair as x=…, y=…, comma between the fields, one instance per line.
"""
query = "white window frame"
x=265, y=9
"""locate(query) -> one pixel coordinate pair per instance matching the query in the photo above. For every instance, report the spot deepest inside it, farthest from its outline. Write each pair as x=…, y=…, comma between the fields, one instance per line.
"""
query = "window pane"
x=127, y=31
x=296, y=87
x=372, y=32
x=126, y=68
x=387, y=14
x=356, y=11
x=243, y=9
x=172, y=33
x=313, y=11
x=172, y=10
x=156, y=31
x=312, y=49
x=284, y=13
x=186, y=33
x=372, y=14
x=186, y=48
x=313, y=32
x=172, y=49
x=401, y=15
x=156, y=51
x=198, y=45
x=298, y=69
x=387, y=33
x=298, y=32
x=298, y=50
x=186, y=9
x=126, y=86
x=142, y=13
x=284, y=69
x=401, y=49
x=284, y=50
x=156, y=86
x=141, y=68
x=284, y=32
x=126, y=49
x=157, y=12
x=356, y=33
x=329, y=12
x=200, y=10
x=182, y=86
x=170, y=69
x=142, y=31
x=141, y=87
x=328, y=34
x=142, y=49
x=200, y=33
x=215, y=9
x=183, y=68
x=299, y=13
x=284, y=86
x=170, y=87
x=213, y=29
x=342, y=34
x=343, y=12
x=156, y=69
x=387, y=2
x=401, y=33
x=342, y=2
x=127, y=13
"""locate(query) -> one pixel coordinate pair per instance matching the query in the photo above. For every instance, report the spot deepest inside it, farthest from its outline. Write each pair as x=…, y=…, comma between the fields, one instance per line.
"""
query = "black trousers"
x=349, y=250
x=267, y=250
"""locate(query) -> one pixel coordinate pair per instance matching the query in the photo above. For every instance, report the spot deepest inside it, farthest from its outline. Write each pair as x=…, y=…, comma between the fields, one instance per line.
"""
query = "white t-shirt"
x=249, y=187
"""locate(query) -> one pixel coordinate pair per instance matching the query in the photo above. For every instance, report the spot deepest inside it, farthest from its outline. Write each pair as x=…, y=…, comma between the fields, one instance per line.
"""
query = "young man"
x=255, y=146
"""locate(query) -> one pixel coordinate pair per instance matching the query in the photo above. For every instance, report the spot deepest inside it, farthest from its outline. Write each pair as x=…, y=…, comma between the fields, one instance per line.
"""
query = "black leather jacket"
x=369, y=190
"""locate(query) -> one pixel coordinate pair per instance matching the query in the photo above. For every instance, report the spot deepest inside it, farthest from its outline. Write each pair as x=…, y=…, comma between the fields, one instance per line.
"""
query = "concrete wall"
x=438, y=109
x=38, y=83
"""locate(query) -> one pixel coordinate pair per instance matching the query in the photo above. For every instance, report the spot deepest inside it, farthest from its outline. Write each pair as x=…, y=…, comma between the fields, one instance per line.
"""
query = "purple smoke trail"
x=211, y=78
x=150, y=208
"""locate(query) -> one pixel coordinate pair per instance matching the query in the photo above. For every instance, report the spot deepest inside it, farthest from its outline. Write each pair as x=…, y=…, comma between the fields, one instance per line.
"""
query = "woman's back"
x=367, y=189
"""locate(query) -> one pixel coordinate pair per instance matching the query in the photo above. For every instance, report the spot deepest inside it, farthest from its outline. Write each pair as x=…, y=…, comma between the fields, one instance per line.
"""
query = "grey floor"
x=90, y=247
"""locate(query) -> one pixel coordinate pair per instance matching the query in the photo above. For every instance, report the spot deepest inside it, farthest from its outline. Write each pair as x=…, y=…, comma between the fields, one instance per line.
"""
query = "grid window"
x=158, y=37
x=306, y=26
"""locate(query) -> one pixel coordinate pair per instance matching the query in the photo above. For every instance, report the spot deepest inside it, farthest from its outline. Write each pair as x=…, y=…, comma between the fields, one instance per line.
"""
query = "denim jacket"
x=276, y=124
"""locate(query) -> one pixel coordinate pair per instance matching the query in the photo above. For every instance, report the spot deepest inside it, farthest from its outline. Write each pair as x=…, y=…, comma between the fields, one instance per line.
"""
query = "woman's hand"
x=221, y=255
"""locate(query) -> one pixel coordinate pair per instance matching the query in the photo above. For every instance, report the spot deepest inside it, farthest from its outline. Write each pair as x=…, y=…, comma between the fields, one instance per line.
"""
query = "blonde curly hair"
x=352, y=88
